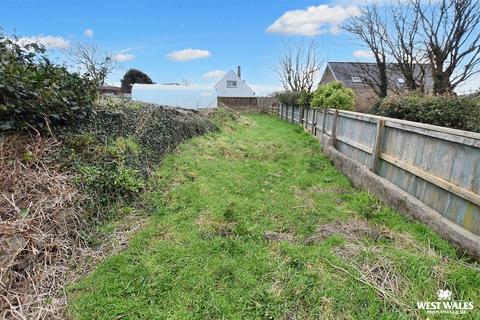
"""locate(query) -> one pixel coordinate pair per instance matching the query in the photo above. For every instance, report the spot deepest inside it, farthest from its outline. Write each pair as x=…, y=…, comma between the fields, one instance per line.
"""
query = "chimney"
x=239, y=72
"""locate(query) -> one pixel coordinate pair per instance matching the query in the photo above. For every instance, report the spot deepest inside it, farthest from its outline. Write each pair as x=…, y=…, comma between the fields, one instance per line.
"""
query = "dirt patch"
x=278, y=236
x=352, y=230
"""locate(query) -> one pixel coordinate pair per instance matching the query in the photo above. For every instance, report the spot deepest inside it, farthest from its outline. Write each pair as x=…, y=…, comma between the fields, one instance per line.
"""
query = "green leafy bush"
x=333, y=95
x=34, y=92
x=446, y=111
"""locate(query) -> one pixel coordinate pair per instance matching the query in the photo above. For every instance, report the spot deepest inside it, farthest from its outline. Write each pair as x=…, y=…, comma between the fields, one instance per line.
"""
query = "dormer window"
x=356, y=79
x=231, y=84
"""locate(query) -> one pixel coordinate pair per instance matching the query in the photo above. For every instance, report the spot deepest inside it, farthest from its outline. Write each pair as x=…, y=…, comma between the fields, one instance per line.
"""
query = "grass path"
x=255, y=223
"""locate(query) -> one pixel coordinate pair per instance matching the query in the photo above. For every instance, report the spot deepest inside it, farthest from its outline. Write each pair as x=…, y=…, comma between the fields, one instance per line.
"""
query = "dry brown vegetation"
x=39, y=226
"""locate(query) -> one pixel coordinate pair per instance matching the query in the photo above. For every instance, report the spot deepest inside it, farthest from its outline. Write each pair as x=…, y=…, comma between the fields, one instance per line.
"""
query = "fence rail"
x=438, y=166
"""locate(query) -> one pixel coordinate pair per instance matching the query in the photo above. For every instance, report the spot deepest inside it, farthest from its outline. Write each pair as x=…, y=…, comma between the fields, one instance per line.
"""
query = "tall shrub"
x=34, y=92
x=333, y=95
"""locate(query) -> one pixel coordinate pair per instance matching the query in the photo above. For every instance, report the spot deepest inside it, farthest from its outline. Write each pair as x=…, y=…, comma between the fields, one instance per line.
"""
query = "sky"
x=190, y=40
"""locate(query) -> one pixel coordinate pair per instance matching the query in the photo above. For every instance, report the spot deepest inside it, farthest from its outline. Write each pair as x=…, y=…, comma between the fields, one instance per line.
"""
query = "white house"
x=231, y=85
x=193, y=96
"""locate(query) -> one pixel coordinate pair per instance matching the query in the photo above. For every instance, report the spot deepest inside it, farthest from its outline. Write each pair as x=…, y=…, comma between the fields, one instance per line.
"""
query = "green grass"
x=205, y=254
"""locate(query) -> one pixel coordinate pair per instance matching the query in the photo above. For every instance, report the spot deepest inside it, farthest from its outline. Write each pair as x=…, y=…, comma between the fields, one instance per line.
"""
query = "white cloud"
x=188, y=54
x=49, y=42
x=363, y=54
x=313, y=20
x=122, y=57
x=88, y=33
x=214, y=74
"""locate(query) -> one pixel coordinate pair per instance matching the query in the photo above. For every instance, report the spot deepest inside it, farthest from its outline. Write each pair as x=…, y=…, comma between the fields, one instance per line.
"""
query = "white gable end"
x=231, y=85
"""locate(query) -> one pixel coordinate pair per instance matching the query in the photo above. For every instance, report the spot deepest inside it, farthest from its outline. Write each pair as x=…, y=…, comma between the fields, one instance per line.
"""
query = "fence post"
x=293, y=110
x=377, y=145
x=324, y=123
x=314, y=121
x=334, y=126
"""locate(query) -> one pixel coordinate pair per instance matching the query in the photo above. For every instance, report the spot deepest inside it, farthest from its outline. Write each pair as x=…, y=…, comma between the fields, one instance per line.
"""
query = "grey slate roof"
x=343, y=71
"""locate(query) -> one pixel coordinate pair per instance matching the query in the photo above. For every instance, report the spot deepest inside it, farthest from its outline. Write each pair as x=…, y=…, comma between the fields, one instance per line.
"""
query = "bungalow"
x=354, y=75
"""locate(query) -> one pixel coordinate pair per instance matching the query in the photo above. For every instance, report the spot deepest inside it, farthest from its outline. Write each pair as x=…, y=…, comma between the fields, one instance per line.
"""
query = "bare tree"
x=90, y=59
x=299, y=66
x=452, y=40
x=371, y=30
x=404, y=45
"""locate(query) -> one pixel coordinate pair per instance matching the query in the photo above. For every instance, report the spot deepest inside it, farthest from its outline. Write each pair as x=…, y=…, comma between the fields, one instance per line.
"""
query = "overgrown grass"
x=254, y=222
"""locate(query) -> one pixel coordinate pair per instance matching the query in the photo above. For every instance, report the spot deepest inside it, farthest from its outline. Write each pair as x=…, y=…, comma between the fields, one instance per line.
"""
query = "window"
x=231, y=84
x=401, y=80
x=356, y=79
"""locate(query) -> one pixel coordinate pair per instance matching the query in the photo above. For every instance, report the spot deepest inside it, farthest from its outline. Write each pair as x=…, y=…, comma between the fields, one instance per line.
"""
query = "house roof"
x=229, y=75
x=344, y=71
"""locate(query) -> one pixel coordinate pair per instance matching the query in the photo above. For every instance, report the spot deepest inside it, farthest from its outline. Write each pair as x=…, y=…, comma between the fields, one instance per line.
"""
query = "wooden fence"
x=438, y=166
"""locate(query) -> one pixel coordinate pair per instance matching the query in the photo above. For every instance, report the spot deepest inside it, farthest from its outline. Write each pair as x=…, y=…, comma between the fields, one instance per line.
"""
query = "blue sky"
x=222, y=34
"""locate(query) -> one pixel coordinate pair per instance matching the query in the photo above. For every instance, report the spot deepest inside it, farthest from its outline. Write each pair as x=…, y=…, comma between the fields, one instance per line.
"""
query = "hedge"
x=447, y=111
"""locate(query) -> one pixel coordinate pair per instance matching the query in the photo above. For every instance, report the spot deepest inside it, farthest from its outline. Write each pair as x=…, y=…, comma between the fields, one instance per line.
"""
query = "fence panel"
x=329, y=122
x=296, y=115
x=355, y=137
